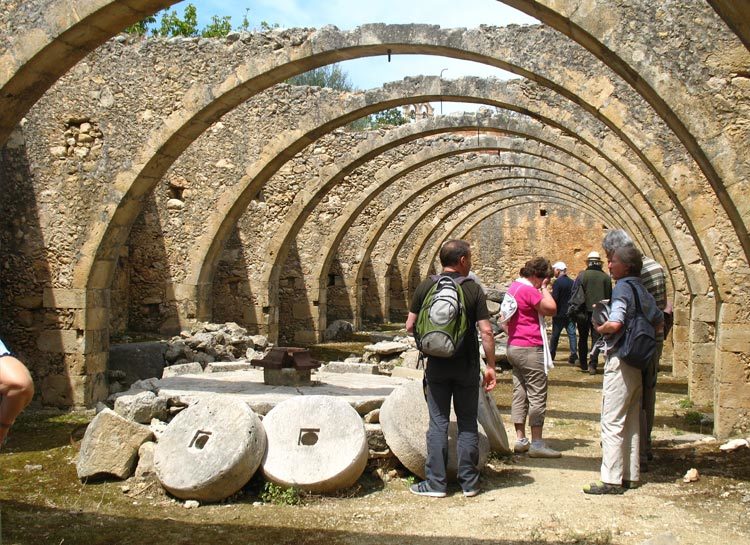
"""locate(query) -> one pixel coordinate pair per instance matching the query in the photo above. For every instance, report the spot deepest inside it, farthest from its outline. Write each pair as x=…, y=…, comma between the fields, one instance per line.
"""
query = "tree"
x=332, y=76
x=219, y=27
x=141, y=27
x=172, y=25
x=390, y=117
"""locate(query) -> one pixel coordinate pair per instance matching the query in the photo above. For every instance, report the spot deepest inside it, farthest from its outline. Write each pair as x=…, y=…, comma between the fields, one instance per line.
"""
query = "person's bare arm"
x=547, y=306
x=488, y=343
x=410, y=321
x=609, y=327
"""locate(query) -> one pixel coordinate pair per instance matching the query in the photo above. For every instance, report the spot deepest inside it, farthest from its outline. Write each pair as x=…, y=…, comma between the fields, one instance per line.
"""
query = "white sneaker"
x=543, y=452
x=521, y=446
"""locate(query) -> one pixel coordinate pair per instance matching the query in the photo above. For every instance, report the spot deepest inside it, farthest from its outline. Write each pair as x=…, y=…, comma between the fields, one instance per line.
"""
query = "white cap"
x=560, y=266
x=594, y=255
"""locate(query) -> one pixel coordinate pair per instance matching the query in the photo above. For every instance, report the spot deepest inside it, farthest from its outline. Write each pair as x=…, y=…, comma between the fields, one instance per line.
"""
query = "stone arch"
x=385, y=178
x=39, y=54
x=494, y=92
x=692, y=107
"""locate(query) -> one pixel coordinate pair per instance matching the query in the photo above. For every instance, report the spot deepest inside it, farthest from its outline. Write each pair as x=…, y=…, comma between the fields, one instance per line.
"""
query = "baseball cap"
x=560, y=265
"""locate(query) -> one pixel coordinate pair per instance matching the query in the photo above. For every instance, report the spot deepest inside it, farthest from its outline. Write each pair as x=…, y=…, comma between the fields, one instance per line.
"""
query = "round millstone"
x=316, y=443
x=404, y=419
x=210, y=450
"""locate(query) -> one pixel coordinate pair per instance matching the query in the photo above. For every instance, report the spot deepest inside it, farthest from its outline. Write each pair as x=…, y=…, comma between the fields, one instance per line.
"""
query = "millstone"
x=404, y=419
x=210, y=450
x=316, y=443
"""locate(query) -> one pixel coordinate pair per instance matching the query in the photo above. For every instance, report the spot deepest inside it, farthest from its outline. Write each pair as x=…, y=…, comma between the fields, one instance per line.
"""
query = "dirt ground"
x=523, y=500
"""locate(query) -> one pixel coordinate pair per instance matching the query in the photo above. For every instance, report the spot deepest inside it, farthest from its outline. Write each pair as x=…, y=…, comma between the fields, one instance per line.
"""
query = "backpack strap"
x=638, y=308
x=458, y=280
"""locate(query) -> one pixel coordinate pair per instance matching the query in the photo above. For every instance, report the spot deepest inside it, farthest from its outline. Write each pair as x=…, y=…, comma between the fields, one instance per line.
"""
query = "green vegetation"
x=686, y=403
x=693, y=418
x=280, y=495
x=171, y=24
x=331, y=76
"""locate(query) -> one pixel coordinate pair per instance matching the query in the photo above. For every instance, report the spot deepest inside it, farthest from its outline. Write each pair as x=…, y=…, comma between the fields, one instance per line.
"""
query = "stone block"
x=56, y=391
x=59, y=340
x=301, y=311
x=145, y=467
x=227, y=366
x=343, y=367
x=734, y=338
x=110, y=446
x=317, y=443
x=404, y=419
x=701, y=332
x=373, y=417
x=64, y=298
x=375, y=438
x=338, y=330
x=286, y=377
x=260, y=341
x=191, y=368
x=138, y=360
x=210, y=450
x=305, y=337
x=704, y=308
x=141, y=407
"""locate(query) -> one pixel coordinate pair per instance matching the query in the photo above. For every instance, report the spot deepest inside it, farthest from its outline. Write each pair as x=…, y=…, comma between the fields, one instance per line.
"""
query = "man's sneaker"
x=599, y=488
x=521, y=446
x=572, y=360
x=471, y=493
x=543, y=451
x=592, y=370
x=423, y=489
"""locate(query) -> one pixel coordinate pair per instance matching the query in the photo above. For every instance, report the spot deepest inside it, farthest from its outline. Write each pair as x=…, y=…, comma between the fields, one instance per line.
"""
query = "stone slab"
x=210, y=450
x=363, y=392
x=180, y=369
x=404, y=419
x=317, y=443
x=344, y=367
x=110, y=446
x=386, y=348
x=138, y=360
x=226, y=366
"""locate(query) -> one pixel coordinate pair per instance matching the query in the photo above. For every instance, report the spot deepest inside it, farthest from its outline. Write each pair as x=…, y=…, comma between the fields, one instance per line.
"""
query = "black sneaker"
x=572, y=360
x=423, y=489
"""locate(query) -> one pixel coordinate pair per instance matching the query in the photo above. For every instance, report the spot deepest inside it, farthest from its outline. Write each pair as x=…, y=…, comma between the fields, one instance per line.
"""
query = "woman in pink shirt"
x=529, y=355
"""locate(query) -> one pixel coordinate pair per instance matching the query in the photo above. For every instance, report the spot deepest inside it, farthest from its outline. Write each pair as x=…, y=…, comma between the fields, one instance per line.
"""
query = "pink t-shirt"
x=523, y=327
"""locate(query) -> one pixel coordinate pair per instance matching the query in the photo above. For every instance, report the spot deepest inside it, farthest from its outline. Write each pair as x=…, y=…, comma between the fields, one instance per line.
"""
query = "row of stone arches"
x=681, y=195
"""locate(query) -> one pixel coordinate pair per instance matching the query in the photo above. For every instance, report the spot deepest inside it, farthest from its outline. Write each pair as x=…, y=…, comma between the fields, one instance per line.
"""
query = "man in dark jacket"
x=597, y=285
x=561, y=291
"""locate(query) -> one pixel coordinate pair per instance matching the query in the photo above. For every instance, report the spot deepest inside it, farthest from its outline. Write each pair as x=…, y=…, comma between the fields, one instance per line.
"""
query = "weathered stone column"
x=77, y=335
x=702, y=337
x=732, y=371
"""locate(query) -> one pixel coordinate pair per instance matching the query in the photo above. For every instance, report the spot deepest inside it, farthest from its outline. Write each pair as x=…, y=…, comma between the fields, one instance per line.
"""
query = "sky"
x=347, y=14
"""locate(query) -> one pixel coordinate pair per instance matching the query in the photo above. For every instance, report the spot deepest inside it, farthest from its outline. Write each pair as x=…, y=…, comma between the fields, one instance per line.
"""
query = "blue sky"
x=348, y=14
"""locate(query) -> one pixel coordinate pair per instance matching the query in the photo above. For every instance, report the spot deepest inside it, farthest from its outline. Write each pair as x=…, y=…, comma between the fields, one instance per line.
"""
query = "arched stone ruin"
x=135, y=195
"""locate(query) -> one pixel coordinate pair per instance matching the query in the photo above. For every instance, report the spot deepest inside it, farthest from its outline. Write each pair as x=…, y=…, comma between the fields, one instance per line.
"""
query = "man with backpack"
x=444, y=315
x=655, y=281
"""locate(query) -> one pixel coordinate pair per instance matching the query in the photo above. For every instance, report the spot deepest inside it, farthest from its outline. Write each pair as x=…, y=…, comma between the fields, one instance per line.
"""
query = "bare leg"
x=16, y=389
x=536, y=433
x=520, y=430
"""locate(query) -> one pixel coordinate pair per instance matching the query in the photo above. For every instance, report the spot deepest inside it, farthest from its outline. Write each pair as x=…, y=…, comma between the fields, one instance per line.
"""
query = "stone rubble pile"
x=207, y=343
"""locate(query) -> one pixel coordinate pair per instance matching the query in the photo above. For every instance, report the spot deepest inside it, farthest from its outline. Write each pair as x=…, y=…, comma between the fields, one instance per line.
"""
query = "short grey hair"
x=631, y=257
x=617, y=238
